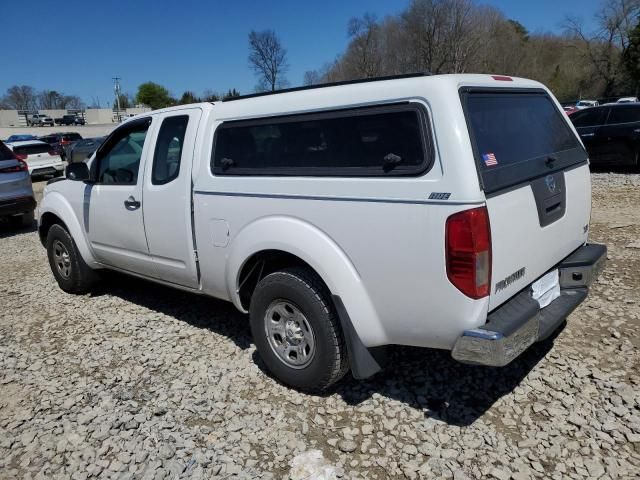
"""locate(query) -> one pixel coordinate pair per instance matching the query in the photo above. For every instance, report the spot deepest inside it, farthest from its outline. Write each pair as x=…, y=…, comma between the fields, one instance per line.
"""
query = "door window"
x=166, y=159
x=591, y=117
x=119, y=158
x=624, y=115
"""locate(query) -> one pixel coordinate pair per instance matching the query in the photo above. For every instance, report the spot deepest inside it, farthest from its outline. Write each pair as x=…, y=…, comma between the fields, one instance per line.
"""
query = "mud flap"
x=364, y=362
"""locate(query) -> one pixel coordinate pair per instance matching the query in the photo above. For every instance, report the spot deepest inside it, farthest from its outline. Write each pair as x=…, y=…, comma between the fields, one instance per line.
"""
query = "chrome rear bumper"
x=516, y=325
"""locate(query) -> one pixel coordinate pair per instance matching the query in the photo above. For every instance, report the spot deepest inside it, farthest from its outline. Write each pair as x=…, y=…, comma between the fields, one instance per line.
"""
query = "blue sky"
x=190, y=44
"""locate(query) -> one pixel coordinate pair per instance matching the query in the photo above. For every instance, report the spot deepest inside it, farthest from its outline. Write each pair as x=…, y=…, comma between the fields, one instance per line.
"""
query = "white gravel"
x=139, y=381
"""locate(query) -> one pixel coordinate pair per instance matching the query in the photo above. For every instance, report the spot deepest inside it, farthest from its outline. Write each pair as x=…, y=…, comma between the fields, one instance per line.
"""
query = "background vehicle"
x=611, y=133
x=18, y=138
x=332, y=219
x=40, y=120
x=81, y=150
x=586, y=104
x=627, y=100
x=59, y=141
x=16, y=194
x=40, y=158
x=70, y=120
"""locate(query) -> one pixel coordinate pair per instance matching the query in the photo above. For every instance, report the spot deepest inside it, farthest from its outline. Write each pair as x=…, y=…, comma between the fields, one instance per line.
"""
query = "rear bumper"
x=17, y=206
x=520, y=322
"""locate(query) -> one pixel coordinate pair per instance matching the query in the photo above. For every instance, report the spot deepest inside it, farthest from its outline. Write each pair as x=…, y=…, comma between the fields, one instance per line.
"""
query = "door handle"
x=588, y=135
x=131, y=203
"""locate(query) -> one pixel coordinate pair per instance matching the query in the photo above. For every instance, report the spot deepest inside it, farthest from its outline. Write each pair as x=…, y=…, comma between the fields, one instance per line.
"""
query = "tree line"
x=25, y=97
x=464, y=36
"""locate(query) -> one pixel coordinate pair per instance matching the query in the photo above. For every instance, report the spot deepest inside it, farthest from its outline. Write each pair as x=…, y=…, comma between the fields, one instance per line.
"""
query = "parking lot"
x=86, y=131
x=139, y=381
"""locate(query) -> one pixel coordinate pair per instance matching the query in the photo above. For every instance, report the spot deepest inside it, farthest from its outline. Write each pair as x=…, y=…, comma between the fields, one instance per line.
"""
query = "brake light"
x=21, y=167
x=468, y=252
x=502, y=78
x=52, y=152
x=20, y=156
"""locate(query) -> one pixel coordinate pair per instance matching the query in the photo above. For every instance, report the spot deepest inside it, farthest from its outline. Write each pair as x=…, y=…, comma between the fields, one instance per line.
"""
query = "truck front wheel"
x=67, y=265
x=296, y=330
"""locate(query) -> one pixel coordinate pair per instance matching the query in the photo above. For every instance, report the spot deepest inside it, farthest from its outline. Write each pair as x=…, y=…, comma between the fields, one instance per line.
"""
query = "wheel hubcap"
x=289, y=333
x=61, y=259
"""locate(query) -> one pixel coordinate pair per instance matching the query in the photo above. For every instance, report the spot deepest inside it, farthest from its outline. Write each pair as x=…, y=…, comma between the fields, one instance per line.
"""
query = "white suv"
x=447, y=212
x=40, y=120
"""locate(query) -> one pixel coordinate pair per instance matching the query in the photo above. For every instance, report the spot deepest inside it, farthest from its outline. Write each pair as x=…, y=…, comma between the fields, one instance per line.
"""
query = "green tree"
x=125, y=102
x=231, y=94
x=154, y=95
x=188, y=97
x=632, y=57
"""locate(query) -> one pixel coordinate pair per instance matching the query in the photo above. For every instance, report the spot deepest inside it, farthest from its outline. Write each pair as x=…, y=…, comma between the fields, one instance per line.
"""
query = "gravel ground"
x=139, y=381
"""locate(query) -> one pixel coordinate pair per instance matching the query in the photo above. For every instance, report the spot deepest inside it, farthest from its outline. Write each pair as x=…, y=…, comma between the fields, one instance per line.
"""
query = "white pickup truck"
x=447, y=212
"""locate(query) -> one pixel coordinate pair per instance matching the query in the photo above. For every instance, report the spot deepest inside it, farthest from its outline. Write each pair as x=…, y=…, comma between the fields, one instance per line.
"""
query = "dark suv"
x=611, y=133
x=60, y=141
x=70, y=120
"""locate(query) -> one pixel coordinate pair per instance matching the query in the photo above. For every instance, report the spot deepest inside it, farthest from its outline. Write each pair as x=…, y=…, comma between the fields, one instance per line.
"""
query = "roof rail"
x=330, y=84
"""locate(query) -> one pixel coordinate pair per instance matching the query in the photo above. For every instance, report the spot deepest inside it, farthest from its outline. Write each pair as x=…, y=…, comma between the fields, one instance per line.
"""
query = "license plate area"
x=547, y=288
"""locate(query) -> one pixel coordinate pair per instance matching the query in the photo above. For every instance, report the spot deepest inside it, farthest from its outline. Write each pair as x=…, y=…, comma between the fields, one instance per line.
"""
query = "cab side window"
x=119, y=158
x=166, y=159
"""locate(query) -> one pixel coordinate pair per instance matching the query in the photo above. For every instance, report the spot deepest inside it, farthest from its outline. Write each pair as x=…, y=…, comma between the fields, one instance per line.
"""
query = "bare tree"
x=268, y=59
x=20, y=97
x=312, y=77
x=365, y=47
x=604, y=47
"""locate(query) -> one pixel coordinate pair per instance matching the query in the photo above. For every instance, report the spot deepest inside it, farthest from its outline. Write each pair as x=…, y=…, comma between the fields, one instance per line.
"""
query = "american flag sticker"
x=489, y=159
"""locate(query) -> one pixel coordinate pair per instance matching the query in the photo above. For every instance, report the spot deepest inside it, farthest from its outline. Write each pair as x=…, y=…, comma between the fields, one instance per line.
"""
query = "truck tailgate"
x=534, y=172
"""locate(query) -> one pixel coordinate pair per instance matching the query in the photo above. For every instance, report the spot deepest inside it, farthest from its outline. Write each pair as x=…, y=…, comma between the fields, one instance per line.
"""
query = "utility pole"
x=116, y=90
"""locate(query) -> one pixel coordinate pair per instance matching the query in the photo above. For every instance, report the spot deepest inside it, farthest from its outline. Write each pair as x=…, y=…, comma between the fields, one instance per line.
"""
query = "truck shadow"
x=9, y=229
x=444, y=389
x=217, y=316
x=425, y=379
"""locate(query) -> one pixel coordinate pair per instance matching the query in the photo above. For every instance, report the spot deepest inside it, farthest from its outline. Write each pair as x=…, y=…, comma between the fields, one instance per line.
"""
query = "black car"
x=83, y=149
x=59, y=141
x=70, y=120
x=611, y=133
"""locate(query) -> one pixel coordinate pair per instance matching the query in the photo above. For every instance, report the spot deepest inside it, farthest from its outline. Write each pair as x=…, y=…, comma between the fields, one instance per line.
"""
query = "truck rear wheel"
x=296, y=330
x=67, y=265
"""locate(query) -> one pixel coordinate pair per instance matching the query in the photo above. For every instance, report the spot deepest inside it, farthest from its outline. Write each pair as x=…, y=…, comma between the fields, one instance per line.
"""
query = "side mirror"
x=78, y=172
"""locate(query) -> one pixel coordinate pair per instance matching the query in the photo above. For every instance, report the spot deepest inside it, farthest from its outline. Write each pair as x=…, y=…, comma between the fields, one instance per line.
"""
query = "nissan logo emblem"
x=551, y=183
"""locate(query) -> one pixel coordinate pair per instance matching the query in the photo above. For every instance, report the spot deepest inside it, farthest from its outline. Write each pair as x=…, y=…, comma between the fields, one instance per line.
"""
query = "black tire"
x=303, y=290
x=71, y=272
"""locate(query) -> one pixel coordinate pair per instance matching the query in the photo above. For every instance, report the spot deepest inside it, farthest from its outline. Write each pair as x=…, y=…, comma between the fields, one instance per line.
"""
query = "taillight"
x=65, y=142
x=52, y=152
x=468, y=251
x=20, y=156
x=21, y=167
